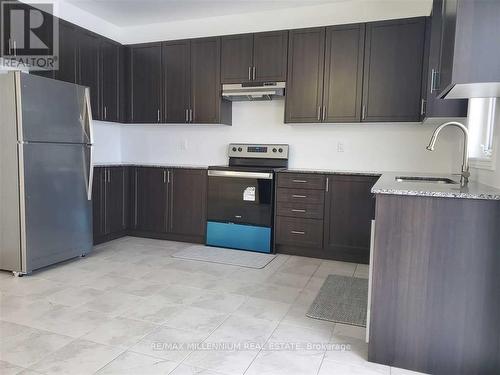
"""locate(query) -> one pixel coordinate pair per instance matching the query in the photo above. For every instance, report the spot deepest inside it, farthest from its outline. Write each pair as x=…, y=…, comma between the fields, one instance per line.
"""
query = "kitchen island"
x=435, y=285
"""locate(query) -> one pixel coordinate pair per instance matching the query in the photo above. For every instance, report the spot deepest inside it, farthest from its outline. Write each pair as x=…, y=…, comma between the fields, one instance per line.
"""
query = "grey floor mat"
x=341, y=299
x=225, y=256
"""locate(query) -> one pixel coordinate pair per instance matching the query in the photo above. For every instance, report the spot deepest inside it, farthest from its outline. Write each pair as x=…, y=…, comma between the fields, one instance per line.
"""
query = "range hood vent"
x=253, y=91
x=472, y=90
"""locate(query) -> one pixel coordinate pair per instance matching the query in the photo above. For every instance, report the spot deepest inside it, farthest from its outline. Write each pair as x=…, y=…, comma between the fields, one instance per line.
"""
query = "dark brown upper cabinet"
x=207, y=105
x=88, y=64
x=68, y=53
x=304, y=92
x=177, y=81
x=111, y=69
x=435, y=107
x=237, y=58
x=325, y=74
x=343, y=82
x=145, y=83
x=254, y=57
x=394, y=54
x=467, y=53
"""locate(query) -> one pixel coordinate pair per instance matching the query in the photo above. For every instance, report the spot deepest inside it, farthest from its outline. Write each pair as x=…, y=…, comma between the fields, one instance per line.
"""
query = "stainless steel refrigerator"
x=45, y=172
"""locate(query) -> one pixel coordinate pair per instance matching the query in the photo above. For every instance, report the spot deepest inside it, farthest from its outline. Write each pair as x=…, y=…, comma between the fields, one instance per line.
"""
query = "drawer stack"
x=300, y=209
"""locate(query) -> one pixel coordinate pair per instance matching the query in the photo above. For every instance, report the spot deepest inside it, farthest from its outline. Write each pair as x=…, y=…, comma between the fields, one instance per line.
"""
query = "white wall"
x=107, y=142
x=367, y=147
x=339, y=12
x=490, y=177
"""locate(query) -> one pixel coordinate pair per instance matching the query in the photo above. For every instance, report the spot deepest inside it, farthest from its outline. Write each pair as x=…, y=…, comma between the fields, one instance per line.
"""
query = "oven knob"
x=240, y=149
x=234, y=149
x=274, y=150
x=280, y=150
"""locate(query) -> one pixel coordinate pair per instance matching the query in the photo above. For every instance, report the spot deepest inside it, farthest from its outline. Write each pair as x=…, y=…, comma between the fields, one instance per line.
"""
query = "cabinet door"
x=150, y=200
x=349, y=209
x=436, y=107
x=68, y=53
x=393, y=70
x=176, y=73
x=306, y=56
x=343, y=82
x=116, y=184
x=145, y=83
x=237, y=58
x=98, y=204
x=110, y=80
x=188, y=202
x=205, y=80
x=270, y=55
x=88, y=64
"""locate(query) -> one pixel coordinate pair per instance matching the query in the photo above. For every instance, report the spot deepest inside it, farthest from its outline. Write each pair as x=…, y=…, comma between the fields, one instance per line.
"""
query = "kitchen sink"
x=429, y=180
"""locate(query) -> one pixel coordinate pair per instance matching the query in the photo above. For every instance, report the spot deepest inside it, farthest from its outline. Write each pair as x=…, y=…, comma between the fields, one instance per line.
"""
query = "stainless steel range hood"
x=472, y=90
x=253, y=91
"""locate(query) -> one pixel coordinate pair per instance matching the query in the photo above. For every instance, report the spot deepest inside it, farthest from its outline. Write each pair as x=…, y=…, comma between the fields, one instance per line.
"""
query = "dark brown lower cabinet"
x=329, y=218
x=169, y=203
x=110, y=203
x=150, y=199
x=349, y=210
x=188, y=202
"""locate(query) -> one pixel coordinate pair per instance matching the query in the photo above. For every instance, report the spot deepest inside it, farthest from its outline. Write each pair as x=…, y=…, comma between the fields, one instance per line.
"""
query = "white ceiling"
x=125, y=13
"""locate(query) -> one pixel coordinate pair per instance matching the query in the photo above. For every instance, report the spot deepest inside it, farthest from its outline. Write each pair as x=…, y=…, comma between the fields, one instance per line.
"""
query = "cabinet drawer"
x=301, y=181
x=299, y=232
x=306, y=211
x=302, y=196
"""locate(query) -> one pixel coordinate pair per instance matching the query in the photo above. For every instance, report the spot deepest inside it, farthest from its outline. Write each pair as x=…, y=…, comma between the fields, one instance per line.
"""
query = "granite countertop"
x=387, y=184
x=157, y=165
x=331, y=171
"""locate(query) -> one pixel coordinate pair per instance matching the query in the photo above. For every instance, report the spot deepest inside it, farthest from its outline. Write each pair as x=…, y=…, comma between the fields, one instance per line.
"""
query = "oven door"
x=240, y=197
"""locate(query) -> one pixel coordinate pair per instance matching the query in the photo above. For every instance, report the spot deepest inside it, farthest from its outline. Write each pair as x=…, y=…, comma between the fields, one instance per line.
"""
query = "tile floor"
x=130, y=308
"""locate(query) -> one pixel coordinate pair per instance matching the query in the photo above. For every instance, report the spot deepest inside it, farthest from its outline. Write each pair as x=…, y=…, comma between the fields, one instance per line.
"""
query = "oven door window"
x=240, y=200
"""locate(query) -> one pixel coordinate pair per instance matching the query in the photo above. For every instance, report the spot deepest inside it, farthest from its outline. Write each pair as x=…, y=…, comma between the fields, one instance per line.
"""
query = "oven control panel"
x=269, y=151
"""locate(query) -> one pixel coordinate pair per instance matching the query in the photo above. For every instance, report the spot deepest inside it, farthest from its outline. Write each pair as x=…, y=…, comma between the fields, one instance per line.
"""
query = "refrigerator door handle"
x=89, y=129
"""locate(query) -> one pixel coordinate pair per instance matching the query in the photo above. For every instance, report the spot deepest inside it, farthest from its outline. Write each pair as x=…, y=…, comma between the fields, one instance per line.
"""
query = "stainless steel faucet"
x=464, y=179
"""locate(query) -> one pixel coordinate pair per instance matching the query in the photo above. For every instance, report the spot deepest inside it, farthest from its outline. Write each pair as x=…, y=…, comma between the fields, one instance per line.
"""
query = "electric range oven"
x=241, y=197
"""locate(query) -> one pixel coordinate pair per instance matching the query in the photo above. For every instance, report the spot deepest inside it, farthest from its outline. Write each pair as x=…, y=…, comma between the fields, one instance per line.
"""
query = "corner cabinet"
x=394, y=60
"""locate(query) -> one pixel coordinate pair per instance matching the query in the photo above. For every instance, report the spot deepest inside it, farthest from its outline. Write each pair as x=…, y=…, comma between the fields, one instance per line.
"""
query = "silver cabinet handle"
x=324, y=113
x=15, y=48
x=319, y=113
x=249, y=73
x=300, y=181
x=434, y=80
x=422, y=107
x=253, y=73
x=164, y=177
x=168, y=176
x=10, y=46
x=191, y=115
x=363, y=115
x=158, y=115
x=298, y=210
x=299, y=196
x=105, y=112
x=327, y=184
x=187, y=115
x=298, y=232
x=108, y=174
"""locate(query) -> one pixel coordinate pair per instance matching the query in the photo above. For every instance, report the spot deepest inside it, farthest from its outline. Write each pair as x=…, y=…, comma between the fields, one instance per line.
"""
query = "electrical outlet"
x=340, y=147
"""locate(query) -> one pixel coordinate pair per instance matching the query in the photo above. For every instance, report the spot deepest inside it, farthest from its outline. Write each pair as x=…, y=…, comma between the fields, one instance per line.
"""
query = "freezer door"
x=52, y=111
x=58, y=218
